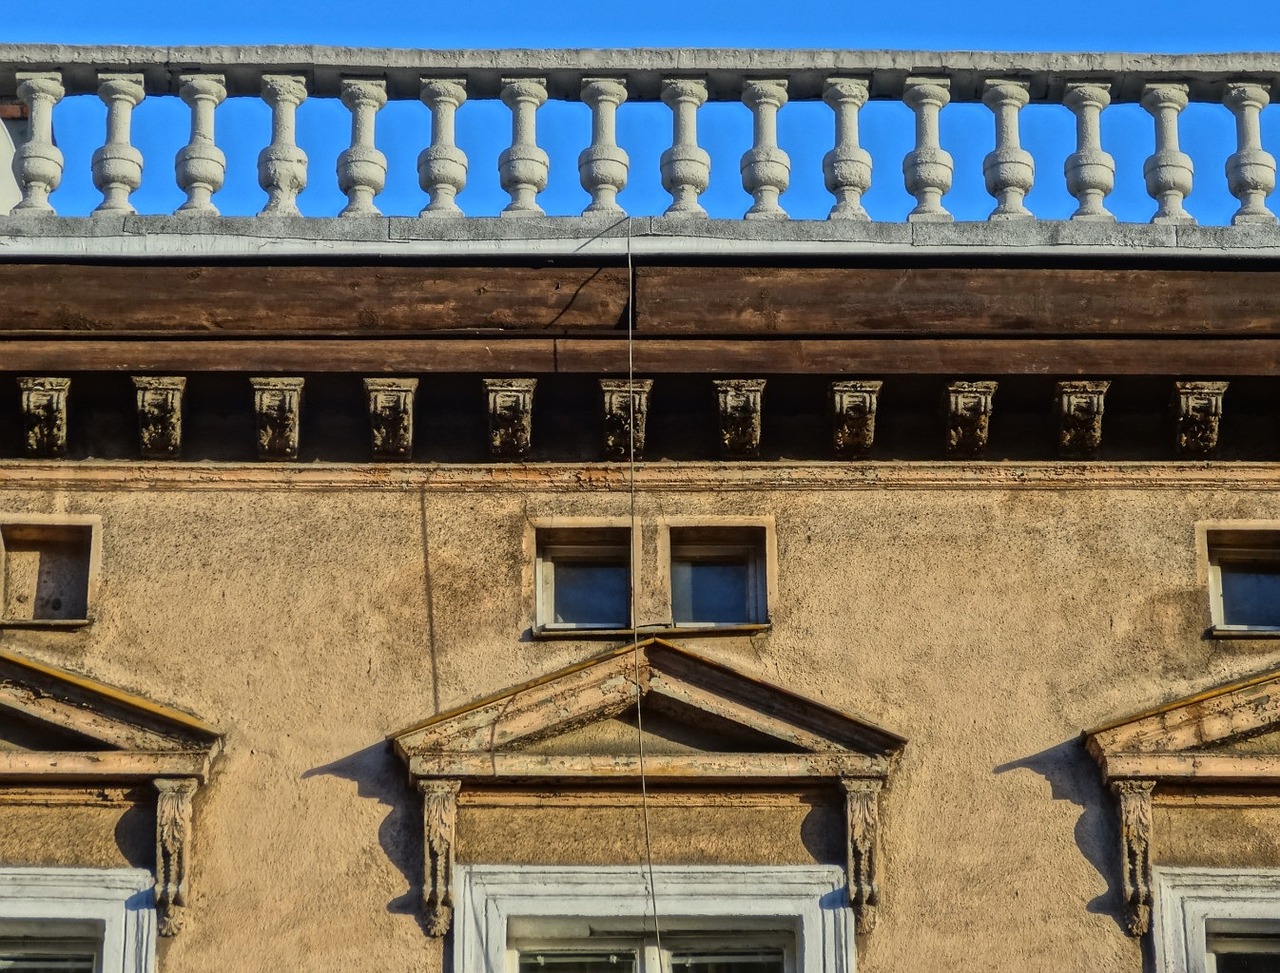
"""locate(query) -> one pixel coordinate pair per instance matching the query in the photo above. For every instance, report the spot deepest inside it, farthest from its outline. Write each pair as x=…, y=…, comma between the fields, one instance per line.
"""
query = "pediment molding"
x=1193, y=743
x=797, y=741
x=119, y=737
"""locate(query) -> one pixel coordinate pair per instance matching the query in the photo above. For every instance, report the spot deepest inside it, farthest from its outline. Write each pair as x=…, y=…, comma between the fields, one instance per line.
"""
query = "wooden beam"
x=108, y=765
x=1086, y=357
x=290, y=300
x=694, y=767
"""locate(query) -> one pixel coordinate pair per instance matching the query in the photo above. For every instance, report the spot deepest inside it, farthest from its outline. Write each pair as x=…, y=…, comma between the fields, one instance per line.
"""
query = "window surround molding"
x=809, y=900
x=1209, y=578
x=52, y=521
x=117, y=901
x=1187, y=899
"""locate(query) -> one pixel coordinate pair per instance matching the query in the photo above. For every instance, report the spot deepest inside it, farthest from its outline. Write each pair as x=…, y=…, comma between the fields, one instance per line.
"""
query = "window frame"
x=1237, y=544
x=607, y=540
x=46, y=903
x=806, y=902
x=1187, y=899
x=710, y=540
x=654, y=953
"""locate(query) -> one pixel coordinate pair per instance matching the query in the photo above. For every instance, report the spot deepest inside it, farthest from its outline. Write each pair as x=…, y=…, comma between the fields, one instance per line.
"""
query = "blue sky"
x=644, y=130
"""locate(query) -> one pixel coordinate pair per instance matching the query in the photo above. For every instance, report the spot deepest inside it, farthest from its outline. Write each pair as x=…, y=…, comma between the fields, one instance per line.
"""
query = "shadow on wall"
x=1073, y=776
x=136, y=834
x=380, y=776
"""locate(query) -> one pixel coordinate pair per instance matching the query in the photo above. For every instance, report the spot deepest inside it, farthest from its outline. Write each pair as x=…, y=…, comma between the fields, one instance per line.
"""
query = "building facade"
x=638, y=593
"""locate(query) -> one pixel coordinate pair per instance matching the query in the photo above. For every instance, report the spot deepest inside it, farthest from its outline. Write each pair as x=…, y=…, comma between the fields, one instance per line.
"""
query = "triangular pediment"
x=1229, y=732
x=60, y=725
x=689, y=711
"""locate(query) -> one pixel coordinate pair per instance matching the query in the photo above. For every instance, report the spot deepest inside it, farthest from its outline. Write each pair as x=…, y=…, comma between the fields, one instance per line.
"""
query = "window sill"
x=54, y=623
x=544, y=634
x=1242, y=632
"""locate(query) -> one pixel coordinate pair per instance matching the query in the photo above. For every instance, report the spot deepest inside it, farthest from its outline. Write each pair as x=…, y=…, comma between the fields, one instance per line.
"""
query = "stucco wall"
x=987, y=624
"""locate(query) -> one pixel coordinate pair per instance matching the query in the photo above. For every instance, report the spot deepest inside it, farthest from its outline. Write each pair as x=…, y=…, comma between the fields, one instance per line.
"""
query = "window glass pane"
x=1245, y=952
x=576, y=962
x=591, y=593
x=727, y=961
x=1251, y=594
x=710, y=591
x=46, y=964
x=1247, y=963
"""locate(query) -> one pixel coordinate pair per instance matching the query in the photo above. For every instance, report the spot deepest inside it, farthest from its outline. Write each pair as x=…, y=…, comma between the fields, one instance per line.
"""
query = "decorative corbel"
x=740, y=406
x=624, y=400
x=173, y=839
x=159, y=415
x=1080, y=407
x=439, y=824
x=510, y=416
x=853, y=413
x=862, y=822
x=391, y=416
x=1199, y=410
x=968, y=407
x=277, y=403
x=44, y=415
x=1134, y=799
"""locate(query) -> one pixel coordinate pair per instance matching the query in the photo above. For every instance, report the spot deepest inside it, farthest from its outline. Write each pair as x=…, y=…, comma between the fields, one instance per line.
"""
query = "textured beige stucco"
x=987, y=624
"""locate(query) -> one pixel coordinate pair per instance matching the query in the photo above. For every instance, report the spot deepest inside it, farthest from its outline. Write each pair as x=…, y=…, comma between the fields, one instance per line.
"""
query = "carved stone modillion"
x=1134, y=799
x=862, y=821
x=44, y=415
x=159, y=415
x=626, y=408
x=510, y=416
x=173, y=842
x=1198, y=407
x=1080, y=406
x=391, y=416
x=968, y=409
x=439, y=823
x=853, y=417
x=740, y=401
x=277, y=404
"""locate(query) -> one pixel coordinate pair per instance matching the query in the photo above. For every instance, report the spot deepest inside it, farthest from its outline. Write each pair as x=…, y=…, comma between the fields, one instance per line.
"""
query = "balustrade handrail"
x=684, y=79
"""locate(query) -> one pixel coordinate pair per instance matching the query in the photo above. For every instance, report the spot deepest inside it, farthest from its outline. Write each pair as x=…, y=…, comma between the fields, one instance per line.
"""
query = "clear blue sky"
x=805, y=129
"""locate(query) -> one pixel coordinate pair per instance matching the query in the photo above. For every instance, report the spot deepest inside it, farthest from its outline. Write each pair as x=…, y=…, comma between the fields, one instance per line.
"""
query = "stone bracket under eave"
x=482, y=744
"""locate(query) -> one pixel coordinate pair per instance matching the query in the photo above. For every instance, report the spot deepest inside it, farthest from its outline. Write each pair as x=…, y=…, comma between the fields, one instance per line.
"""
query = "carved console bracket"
x=740, y=406
x=626, y=407
x=862, y=817
x=1199, y=410
x=510, y=416
x=391, y=416
x=173, y=841
x=1134, y=799
x=1080, y=407
x=277, y=404
x=853, y=417
x=44, y=415
x=968, y=408
x=439, y=823
x=159, y=415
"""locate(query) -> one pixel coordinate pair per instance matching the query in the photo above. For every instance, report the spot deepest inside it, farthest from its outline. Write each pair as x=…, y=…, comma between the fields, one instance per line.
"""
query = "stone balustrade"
x=440, y=84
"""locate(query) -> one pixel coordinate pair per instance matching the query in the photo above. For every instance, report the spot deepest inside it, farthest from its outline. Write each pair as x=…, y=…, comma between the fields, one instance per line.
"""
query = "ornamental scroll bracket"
x=173, y=843
x=1134, y=800
x=439, y=825
x=862, y=821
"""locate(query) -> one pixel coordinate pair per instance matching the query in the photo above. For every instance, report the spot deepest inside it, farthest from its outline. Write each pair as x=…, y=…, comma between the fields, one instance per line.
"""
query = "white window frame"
x=1232, y=543
x=753, y=547
x=1186, y=900
x=559, y=544
x=44, y=902
x=807, y=901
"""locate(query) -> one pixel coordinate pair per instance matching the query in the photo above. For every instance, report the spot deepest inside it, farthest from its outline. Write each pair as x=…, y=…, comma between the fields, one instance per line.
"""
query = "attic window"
x=47, y=569
x=584, y=578
x=1244, y=581
x=718, y=576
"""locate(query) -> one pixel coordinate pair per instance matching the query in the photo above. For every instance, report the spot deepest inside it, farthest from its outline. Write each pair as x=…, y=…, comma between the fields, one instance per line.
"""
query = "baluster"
x=766, y=169
x=847, y=167
x=1009, y=170
x=1251, y=171
x=1090, y=172
x=201, y=166
x=1168, y=171
x=282, y=166
x=442, y=166
x=686, y=166
x=117, y=165
x=927, y=168
x=603, y=165
x=523, y=167
x=362, y=169
x=38, y=160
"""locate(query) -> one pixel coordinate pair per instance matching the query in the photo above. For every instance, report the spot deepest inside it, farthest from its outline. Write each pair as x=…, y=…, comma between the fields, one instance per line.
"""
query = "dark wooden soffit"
x=250, y=301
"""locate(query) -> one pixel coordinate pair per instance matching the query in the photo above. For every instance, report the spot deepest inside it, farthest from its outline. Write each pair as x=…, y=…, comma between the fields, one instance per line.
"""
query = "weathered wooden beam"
x=694, y=766
x=106, y=765
x=1083, y=357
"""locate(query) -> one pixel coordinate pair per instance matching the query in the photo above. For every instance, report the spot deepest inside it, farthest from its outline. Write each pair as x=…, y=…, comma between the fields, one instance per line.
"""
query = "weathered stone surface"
x=967, y=406
x=1080, y=405
x=200, y=165
x=1197, y=414
x=282, y=165
x=44, y=415
x=117, y=165
x=626, y=410
x=740, y=401
x=1168, y=171
x=510, y=416
x=523, y=166
x=173, y=842
x=38, y=162
x=853, y=417
x=846, y=169
x=391, y=416
x=442, y=166
x=927, y=168
x=159, y=415
x=439, y=828
x=277, y=404
x=603, y=165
